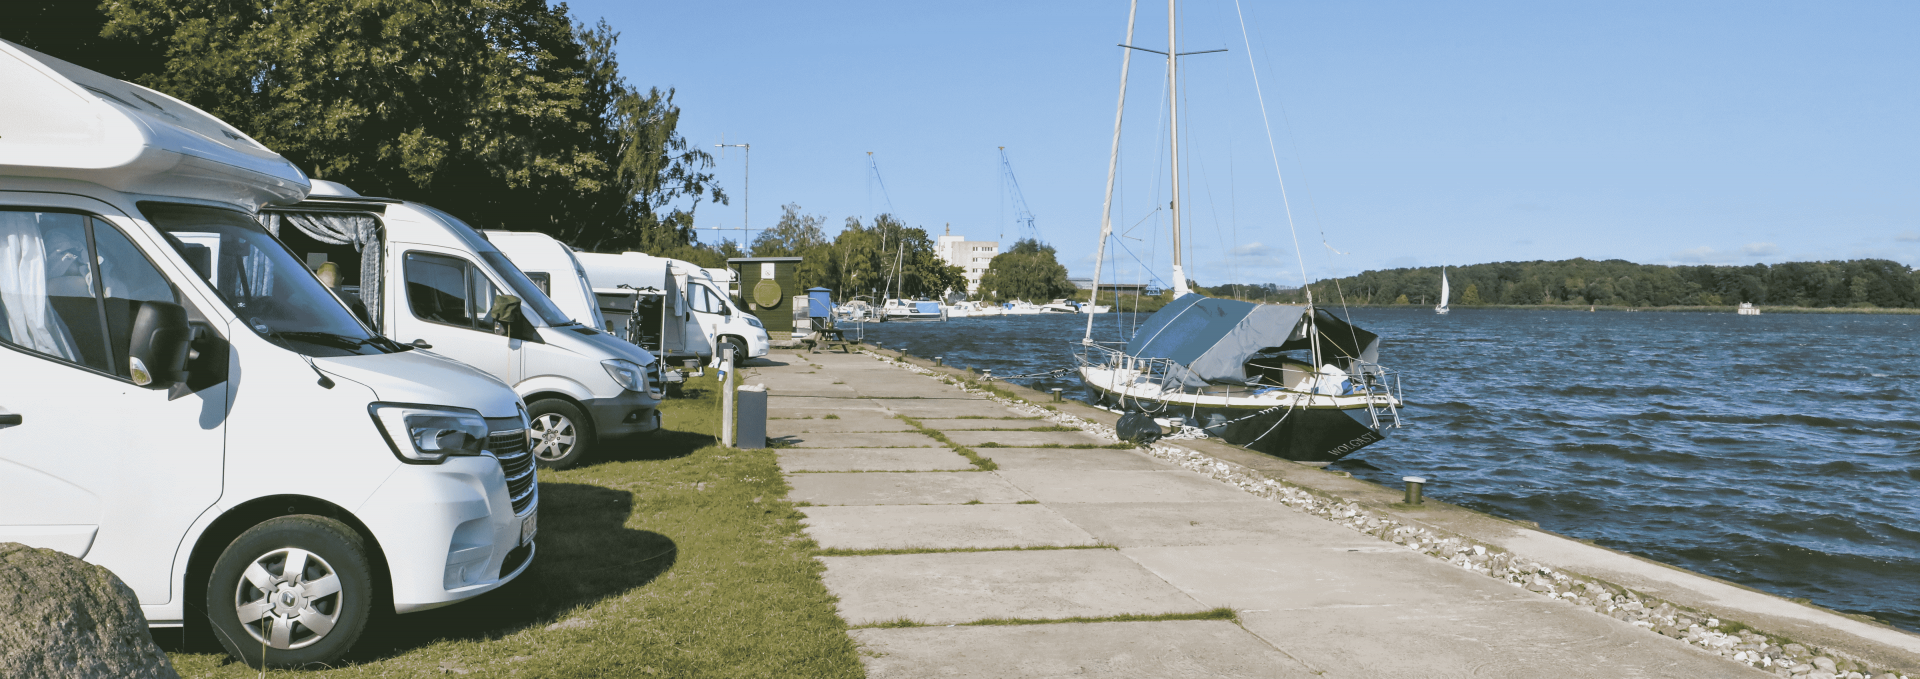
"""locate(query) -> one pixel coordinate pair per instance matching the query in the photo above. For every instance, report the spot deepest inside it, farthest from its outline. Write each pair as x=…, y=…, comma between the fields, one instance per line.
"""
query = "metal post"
x=1056, y=394
x=1414, y=484
x=726, y=395
x=937, y=360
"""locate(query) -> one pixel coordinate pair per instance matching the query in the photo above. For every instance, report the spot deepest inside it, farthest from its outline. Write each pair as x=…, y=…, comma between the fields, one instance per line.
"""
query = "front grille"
x=510, y=447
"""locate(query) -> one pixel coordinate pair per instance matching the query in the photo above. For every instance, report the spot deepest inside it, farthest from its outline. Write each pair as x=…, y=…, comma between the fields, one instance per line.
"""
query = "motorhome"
x=671, y=306
x=183, y=403
x=426, y=278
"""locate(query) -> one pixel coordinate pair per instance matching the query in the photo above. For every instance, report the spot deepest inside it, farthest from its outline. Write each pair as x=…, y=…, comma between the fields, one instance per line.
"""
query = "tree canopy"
x=507, y=113
x=1028, y=271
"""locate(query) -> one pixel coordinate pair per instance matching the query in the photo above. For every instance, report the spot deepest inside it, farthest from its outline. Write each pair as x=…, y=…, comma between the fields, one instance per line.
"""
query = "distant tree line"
x=1855, y=283
x=882, y=259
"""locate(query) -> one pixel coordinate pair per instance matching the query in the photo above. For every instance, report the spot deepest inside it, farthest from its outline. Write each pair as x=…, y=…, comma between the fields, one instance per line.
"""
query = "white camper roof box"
x=63, y=121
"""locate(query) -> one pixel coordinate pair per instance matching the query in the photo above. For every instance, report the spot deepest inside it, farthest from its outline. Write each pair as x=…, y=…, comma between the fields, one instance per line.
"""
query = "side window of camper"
x=542, y=280
x=449, y=290
x=70, y=287
x=703, y=300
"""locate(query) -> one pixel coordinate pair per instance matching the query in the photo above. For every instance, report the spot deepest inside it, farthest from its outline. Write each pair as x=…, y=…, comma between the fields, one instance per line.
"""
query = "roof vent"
x=322, y=187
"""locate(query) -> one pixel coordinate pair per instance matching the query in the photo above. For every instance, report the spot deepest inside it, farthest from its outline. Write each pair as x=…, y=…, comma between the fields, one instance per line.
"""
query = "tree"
x=70, y=31
x=1028, y=271
x=1471, y=296
x=1401, y=300
x=795, y=235
x=504, y=112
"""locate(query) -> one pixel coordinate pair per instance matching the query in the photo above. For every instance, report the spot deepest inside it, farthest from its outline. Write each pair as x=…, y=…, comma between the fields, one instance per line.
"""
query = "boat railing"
x=1366, y=378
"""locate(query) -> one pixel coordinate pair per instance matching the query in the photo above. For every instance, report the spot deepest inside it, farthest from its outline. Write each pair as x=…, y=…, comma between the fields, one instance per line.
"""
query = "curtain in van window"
x=25, y=307
x=359, y=230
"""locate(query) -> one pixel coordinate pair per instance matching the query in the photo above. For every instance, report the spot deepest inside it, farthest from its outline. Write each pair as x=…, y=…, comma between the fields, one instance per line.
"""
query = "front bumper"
x=449, y=531
x=629, y=413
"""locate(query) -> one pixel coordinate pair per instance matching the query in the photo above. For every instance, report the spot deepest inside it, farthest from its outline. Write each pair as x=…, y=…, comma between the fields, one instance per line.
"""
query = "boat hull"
x=1304, y=434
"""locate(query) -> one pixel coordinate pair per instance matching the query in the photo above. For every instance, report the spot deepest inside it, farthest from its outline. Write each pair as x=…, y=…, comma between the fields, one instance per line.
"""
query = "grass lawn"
x=670, y=556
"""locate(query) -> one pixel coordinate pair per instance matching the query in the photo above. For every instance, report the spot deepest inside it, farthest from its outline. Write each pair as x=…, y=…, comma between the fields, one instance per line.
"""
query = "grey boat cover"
x=1211, y=339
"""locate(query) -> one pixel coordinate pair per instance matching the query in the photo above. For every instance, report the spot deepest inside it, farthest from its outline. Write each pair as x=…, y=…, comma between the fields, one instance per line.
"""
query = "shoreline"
x=1765, y=310
x=1662, y=598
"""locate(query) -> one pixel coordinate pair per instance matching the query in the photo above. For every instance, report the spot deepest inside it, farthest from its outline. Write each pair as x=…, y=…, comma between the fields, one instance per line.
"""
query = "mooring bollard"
x=1414, y=483
x=937, y=360
x=986, y=375
x=1056, y=394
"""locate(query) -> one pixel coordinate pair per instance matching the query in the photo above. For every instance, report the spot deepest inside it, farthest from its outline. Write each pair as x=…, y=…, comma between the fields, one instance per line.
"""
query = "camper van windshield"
x=262, y=283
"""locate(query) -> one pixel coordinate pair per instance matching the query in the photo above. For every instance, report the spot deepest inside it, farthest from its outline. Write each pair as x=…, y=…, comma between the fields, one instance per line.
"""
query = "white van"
x=183, y=403
x=422, y=276
x=694, y=312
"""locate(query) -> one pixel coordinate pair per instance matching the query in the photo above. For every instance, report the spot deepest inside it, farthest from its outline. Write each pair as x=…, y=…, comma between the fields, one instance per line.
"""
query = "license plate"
x=529, y=526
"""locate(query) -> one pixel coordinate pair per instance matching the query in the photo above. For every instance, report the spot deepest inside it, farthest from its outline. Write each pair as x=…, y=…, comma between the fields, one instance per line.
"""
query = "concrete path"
x=1059, y=533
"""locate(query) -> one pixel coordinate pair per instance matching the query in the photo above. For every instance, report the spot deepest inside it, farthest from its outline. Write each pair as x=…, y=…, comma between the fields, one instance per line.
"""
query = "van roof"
x=64, y=121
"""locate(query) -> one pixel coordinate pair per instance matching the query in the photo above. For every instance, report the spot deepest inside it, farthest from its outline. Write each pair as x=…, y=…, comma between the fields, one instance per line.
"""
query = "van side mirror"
x=157, y=352
x=511, y=320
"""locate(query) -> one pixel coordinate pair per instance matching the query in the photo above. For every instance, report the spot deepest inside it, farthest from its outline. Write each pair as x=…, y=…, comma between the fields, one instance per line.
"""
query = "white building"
x=972, y=255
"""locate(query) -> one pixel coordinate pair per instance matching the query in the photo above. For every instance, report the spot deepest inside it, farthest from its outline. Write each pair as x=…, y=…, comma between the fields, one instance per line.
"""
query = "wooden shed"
x=767, y=286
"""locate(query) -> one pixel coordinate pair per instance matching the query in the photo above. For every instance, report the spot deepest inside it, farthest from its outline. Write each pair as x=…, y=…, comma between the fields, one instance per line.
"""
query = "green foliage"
x=879, y=261
x=1861, y=283
x=505, y=112
x=794, y=235
x=1027, y=271
x=1402, y=299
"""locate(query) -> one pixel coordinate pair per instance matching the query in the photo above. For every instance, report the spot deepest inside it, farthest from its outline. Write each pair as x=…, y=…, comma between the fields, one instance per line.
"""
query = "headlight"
x=627, y=374
x=426, y=434
x=755, y=322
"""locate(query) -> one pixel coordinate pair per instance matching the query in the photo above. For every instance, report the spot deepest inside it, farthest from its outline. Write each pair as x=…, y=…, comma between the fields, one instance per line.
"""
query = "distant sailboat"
x=1445, y=293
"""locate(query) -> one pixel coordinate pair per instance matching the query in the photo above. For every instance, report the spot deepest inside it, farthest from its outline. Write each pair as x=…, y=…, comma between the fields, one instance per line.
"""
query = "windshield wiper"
x=333, y=339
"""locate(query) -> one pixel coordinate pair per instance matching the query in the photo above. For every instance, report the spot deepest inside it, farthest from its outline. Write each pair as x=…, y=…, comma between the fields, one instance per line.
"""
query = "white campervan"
x=422, y=276
x=183, y=403
x=695, y=314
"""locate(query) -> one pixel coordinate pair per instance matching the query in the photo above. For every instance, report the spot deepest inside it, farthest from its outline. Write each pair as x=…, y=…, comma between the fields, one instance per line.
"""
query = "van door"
x=449, y=302
x=709, y=312
x=96, y=466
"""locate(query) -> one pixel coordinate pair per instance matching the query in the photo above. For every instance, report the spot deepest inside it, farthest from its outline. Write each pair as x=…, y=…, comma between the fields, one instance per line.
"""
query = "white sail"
x=1445, y=293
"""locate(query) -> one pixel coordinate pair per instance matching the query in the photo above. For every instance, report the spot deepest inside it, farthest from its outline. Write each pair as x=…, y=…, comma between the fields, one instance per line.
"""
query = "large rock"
x=63, y=617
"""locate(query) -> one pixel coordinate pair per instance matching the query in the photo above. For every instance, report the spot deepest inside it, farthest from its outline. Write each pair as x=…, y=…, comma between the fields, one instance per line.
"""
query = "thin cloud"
x=1908, y=237
x=1254, y=249
x=1760, y=249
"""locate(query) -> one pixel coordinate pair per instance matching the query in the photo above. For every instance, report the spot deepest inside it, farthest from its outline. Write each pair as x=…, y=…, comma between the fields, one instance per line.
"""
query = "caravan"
x=671, y=306
x=183, y=403
x=423, y=277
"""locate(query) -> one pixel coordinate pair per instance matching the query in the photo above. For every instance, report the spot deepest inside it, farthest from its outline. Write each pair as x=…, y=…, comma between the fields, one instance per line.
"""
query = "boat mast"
x=1173, y=119
x=1113, y=162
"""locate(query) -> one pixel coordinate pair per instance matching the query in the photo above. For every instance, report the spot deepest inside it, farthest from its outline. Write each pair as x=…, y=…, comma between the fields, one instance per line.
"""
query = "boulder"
x=63, y=617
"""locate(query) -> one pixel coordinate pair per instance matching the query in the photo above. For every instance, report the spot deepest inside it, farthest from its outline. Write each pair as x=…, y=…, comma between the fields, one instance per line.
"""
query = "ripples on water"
x=1778, y=451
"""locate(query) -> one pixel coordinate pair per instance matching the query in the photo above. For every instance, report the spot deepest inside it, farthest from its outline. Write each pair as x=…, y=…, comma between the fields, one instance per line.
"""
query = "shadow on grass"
x=584, y=554
x=660, y=444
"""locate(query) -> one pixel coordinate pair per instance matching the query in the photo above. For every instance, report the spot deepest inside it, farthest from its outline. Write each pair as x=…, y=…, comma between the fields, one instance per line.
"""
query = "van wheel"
x=291, y=592
x=739, y=349
x=561, y=434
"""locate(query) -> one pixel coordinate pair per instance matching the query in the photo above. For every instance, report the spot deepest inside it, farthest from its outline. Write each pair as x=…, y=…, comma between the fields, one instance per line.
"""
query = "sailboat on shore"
x=1293, y=381
x=1445, y=293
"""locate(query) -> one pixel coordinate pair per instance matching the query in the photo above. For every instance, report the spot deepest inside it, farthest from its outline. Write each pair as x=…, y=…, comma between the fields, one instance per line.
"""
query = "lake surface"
x=1779, y=451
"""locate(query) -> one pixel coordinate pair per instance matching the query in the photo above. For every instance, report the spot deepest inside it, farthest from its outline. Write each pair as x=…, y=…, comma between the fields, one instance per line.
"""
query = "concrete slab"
x=887, y=488
x=1178, y=485
x=872, y=460
x=777, y=428
x=1313, y=570
x=945, y=408
x=955, y=587
x=941, y=527
x=912, y=439
x=1073, y=458
x=1166, y=524
x=1027, y=439
x=983, y=423
x=1519, y=639
x=1174, y=649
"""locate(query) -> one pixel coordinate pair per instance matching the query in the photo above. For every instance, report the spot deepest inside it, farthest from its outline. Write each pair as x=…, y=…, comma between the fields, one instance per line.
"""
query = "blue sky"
x=1410, y=133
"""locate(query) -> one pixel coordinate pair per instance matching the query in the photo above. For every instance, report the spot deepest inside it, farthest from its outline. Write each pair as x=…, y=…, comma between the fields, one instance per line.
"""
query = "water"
x=1778, y=451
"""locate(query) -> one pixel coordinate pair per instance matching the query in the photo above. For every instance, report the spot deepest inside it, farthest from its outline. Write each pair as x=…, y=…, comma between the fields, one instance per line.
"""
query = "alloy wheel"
x=553, y=437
